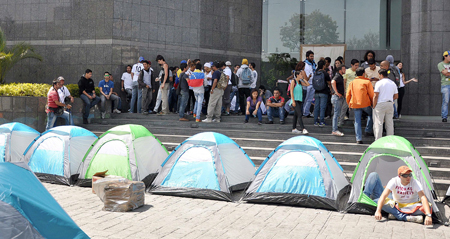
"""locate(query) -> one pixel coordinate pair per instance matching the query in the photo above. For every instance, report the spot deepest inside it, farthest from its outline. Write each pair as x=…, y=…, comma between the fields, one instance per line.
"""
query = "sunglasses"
x=106, y=75
x=407, y=175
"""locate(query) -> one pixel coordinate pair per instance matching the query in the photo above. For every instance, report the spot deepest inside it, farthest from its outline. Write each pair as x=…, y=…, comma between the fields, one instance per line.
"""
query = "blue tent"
x=207, y=165
x=301, y=172
x=27, y=210
x=56, y=156
x=14, y=140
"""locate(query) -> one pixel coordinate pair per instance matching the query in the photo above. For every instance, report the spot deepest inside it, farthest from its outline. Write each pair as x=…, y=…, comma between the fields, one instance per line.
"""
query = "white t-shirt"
x=386, y=89
x=404, y=194
x=209, y=75
x=127, y=81
x=254, y=79
x=136, y=70
x=227, y=72
x=63, y=92
x=401, y=81
x=309, y=70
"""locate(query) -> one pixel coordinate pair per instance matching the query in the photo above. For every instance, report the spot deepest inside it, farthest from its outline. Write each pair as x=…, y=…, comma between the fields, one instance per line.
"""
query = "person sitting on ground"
x=276, y=109
x=409, y=202
x=253, y=107
x=265, y=95
x=106, y=88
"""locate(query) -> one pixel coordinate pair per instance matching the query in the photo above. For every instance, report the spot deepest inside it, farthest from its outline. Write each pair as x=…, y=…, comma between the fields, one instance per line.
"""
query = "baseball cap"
x=244, y=61
x=141, y=58
x=183, y=61
x=446, y=53
x=228, y=63
x=404, y=170
x=207, y=64
x=60, y=78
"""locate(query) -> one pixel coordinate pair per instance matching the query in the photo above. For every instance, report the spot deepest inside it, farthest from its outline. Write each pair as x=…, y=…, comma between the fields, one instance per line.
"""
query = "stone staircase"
x=427, y=134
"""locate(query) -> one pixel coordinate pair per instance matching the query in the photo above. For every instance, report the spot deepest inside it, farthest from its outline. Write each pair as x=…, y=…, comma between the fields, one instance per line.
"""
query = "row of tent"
x=299, y=172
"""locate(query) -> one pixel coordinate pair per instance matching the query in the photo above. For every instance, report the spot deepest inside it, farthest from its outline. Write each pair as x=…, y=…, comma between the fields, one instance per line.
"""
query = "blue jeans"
x=51, y=119
x=134, y=95
x=320, y=106
x=258, y=113
x=275, y=112
x=173, y=98
x=395, y=112
x=373, y=189
x=337, y=103
x=88, y=104
x=445, y=90
x=308, y=100
x=184, y=96
x=198, y=104
x=369, y=125
x=67, y=118
x=236, y=105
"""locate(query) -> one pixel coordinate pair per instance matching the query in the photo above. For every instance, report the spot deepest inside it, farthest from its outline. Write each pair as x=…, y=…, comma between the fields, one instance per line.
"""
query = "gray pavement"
x=177, y=217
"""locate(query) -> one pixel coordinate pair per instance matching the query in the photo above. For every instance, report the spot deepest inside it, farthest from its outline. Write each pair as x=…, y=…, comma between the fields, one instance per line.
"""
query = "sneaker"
x=391, y=217
x=103, y=115
x=245, y=121
x=161, y=113
x=416, y=219
x=259, y=123
x=197, y=120
x=207, y=120
x=305, y=131
x=282, y=122
x=195, y=116
x=269, y=122
x=184, y=119
x=129, y=112
x=145, y=112
x=337, y=133
x=346, y=118
x=399, y=116
x=152, y=112
x=359, y=142
x=444, y=120
x=216, y=120
x=117, y=111
x=322, y=124
x=316, y=124
x=296, y=131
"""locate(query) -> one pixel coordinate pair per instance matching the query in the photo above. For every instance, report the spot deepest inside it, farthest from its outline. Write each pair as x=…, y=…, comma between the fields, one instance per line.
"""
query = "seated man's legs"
x=281, y=113
x=116, y=100
x=102, y=103
x=373, y=187
x=87, y=105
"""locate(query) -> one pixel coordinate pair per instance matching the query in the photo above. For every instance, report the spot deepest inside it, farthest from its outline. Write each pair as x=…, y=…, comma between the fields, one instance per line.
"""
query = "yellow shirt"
x=372, y=73
x=350, y=76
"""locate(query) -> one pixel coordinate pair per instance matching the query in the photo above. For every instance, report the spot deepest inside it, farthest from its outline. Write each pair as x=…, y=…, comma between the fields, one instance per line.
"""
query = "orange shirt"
x=359, y=93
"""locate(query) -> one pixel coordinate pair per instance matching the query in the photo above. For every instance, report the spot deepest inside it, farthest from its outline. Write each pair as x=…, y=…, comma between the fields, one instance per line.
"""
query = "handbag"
x=58, y=111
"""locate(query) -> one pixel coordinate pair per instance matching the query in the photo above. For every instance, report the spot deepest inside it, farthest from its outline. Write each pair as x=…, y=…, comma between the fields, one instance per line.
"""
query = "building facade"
x=107, y=35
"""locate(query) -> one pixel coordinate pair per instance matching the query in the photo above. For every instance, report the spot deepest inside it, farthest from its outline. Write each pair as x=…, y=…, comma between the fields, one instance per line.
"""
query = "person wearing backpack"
x=220, y=82
x=234, y=89
x=321, y=84
x=245, y=81
x=308, y=91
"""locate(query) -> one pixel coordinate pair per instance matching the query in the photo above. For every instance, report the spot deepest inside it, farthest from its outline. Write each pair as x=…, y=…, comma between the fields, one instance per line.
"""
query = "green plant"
x=278, y=67
x=10, y=56
x=24, y=89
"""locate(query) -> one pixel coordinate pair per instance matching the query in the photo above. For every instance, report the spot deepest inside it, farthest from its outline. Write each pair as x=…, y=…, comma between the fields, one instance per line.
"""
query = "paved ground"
x=176, y=217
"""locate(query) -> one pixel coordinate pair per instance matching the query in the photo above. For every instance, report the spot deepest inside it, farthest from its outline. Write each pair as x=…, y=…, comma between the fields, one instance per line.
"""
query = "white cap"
x=207, y=64
x=228, y=63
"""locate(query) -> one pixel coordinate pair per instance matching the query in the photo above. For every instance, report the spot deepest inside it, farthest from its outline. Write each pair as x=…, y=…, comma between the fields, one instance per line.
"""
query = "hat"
x=183, y=61
x=228, y=63
x=404, y=170
x=141, y=58
x=207, y=64
x=244, y=62
x=60, y=78
x=446, y=53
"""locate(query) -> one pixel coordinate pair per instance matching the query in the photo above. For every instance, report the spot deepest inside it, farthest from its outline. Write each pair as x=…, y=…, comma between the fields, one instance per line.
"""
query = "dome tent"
x=299, y=172
x=130, y=151
x=28, y=210
x=14, y=140
x=57, y=154
x=207, y=165
x=384, y=157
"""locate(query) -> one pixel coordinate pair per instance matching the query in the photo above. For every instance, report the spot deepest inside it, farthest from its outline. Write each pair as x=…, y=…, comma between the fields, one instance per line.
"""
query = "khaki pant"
x=383, y=112
x=165, y=98
x=147, y=94
x=215, y=104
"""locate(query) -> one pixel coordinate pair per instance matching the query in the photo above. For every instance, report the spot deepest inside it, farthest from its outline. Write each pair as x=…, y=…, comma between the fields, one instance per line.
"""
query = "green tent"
x=385, y=156
x=130, y=151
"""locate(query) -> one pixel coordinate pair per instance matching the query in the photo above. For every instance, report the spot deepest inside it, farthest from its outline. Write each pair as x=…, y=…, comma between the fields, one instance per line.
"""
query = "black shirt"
x=86, y=85
x=339, y=83
x=327, y=80
x=183, y=82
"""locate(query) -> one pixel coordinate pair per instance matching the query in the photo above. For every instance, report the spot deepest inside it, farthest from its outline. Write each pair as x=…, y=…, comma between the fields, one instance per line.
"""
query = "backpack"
x=393, y=76
x=246, y=76
x=234, y=81
x=223, y=81
x=318, y=81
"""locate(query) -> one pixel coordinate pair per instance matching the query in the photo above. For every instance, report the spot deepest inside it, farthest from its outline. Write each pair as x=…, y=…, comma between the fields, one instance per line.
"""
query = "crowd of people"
x=215, y=89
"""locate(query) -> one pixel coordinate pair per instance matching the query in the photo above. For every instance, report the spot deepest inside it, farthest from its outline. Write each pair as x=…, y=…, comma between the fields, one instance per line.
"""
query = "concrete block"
x=6, y=103
x=19, y=104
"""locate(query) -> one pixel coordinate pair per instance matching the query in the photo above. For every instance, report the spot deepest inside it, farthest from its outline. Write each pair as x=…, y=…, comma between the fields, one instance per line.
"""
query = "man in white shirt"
x=385, y=93
x=226, y=100
x=254, y=76
x=127, y=83
x=408, y=202
x=308, y=91
x=63, y=92
x=137, y=68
